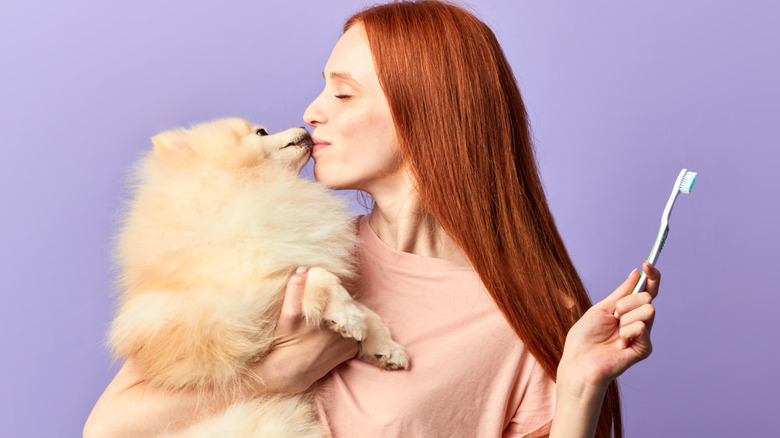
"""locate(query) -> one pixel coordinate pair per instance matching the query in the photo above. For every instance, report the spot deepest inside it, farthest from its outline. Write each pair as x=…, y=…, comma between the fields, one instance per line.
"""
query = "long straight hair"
x=463, y=132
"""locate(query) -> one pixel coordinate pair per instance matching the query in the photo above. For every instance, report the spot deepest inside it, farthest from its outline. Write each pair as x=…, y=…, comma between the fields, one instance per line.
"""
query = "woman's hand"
x=302, y=354
x=600, y=347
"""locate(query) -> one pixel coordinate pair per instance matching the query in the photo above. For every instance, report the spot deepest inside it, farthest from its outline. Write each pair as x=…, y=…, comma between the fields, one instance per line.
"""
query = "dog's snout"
x=301, y=140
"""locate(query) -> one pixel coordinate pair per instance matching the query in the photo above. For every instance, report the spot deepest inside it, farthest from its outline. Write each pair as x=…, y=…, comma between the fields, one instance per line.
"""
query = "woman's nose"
x=313, y=115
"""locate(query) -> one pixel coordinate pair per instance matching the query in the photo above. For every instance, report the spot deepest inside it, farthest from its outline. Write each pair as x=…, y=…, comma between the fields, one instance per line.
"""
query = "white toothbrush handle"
x=640, y=285
x=654, y=254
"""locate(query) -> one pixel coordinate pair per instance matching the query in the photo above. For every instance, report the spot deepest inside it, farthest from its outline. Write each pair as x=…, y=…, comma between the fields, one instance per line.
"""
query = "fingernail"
x=301, y=270
x=632, y=272
x=622, y=345
x=616, y=315
x=648, y=263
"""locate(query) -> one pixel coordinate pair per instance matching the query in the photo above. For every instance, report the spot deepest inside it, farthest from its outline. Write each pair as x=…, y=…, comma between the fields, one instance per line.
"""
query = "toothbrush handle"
x=640, y=285
x=653, y=257
x=658, y=245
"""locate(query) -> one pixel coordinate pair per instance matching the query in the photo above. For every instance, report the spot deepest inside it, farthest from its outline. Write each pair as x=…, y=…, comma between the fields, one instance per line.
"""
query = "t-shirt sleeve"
x=533, y=417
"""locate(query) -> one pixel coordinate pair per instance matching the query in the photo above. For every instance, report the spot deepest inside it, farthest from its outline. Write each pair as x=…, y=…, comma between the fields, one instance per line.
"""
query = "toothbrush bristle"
x=687, y=182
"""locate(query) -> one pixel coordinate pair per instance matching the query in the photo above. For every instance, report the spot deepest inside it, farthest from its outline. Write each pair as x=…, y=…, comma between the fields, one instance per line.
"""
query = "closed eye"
x=261, y=132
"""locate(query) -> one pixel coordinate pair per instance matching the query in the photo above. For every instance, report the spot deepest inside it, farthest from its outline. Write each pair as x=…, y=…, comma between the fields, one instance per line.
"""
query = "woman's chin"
x=326, y=180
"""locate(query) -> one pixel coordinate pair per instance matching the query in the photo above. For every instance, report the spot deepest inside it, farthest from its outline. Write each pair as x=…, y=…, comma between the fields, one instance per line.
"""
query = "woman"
x=460, y=253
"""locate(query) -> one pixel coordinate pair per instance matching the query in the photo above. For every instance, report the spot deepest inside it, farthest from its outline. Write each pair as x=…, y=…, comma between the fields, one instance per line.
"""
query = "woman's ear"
x=177, y=140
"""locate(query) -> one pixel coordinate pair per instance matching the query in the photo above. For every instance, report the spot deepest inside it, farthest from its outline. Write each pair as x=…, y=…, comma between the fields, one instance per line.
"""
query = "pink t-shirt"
x=470, y=375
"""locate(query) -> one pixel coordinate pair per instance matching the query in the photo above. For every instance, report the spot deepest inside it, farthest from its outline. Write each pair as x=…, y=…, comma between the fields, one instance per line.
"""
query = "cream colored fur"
x=218, y=223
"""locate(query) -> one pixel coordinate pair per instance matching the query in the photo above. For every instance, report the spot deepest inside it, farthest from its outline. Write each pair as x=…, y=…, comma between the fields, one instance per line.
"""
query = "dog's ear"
x=173, y=140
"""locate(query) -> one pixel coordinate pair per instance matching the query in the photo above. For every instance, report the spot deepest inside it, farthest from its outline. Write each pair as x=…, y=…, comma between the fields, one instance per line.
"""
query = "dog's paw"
x=388, y=355
x=348, y=320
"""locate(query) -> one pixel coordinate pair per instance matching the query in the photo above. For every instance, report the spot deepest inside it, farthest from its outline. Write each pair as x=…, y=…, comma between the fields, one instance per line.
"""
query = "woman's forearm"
x=129, y=407
x=577, y=409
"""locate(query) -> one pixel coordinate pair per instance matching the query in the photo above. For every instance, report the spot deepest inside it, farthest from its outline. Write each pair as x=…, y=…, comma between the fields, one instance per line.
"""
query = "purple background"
x=621, y=97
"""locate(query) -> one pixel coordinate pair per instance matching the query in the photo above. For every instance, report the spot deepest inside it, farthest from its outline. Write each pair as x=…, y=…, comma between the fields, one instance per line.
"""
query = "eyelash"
x=343, y=96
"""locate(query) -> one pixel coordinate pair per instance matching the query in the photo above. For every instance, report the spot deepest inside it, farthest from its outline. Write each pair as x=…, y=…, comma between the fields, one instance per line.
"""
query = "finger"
x=339, y=349
x=347, y=348
x=644, y=314
x=292, y=306
x=653, y=278
x=622, y=290
x=637, y=336
x=631, y=302
x=342, y=348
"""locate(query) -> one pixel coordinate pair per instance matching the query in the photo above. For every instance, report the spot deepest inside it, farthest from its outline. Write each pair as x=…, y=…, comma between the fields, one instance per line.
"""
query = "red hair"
x=463, y=133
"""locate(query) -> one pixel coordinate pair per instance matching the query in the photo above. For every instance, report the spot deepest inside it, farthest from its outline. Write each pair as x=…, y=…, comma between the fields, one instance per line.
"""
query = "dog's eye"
x=261, y=132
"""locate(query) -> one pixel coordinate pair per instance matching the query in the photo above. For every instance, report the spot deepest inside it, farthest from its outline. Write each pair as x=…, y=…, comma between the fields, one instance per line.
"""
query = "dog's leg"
x=326, y=301
x=378, y=347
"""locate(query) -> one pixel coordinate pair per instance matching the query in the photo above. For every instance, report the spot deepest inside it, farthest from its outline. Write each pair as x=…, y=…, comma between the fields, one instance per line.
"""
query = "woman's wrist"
x=573, y=380
x=279, y=375
x=578, y=402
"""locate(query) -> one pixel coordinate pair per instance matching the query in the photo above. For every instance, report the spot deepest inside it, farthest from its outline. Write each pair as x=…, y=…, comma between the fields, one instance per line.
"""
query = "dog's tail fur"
x=196, y=340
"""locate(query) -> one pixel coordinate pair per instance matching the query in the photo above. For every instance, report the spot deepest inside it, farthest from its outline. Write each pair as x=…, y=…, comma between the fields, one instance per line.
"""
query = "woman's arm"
x=600, y=347
x=130, y=407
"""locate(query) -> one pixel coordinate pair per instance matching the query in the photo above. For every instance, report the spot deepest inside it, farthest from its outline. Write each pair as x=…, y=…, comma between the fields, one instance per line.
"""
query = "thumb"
x=624, y=289
x=292, y=306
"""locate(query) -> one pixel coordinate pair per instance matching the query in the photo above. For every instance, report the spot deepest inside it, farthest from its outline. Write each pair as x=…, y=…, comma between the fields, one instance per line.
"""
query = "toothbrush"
x=684, y=184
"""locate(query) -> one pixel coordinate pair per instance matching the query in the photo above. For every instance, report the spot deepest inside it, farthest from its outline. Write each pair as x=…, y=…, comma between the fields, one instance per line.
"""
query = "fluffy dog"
x=218, y=223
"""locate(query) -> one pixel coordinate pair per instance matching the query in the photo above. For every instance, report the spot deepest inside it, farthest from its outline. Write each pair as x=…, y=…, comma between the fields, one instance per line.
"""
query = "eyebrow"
x=343, y=76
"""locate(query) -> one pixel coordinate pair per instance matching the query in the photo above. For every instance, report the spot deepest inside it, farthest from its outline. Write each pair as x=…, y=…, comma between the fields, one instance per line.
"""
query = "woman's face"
x=355, y=145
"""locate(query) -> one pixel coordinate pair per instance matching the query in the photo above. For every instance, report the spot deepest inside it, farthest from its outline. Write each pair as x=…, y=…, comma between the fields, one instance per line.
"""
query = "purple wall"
x=621, y=98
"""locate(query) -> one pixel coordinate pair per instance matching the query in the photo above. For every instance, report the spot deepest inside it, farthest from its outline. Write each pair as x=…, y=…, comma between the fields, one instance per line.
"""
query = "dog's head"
x=237, y=144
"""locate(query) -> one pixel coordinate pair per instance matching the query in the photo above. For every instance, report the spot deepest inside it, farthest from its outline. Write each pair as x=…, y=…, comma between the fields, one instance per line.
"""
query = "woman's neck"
x=398, y=220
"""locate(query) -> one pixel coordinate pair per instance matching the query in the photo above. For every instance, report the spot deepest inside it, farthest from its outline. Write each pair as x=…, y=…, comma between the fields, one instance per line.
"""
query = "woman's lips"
x=319, y=144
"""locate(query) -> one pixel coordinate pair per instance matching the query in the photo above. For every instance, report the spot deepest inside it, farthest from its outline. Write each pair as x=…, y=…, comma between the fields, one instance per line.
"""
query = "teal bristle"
x=687, y=182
